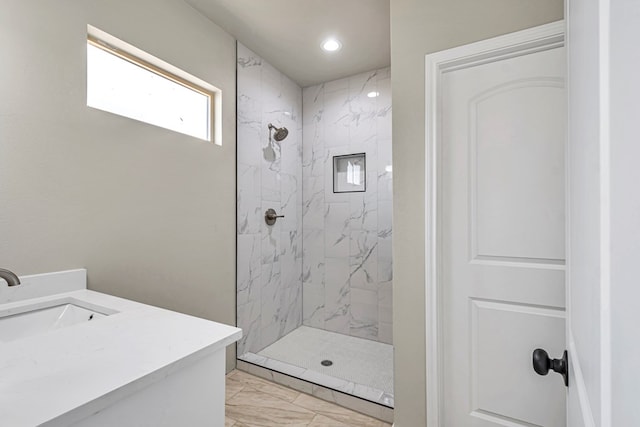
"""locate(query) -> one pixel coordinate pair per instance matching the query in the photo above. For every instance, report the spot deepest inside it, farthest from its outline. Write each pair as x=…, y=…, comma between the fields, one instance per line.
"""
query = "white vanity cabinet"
x=111, y=362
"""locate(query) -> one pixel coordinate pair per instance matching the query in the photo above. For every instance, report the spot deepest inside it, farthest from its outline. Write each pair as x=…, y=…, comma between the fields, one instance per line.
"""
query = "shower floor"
x=361, y=367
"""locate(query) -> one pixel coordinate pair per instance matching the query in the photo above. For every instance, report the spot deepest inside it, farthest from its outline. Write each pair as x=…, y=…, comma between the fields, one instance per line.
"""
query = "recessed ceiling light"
x=331, y=45
x=388, y=168
x=373, y=94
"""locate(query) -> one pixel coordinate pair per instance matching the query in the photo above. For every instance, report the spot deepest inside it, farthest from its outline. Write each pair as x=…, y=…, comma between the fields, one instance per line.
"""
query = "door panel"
x=530, y=176
x=501, y=361
x=502, y=239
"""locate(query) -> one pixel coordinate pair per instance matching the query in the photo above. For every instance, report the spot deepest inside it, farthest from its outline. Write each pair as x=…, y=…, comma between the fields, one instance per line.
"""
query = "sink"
x=37, y=320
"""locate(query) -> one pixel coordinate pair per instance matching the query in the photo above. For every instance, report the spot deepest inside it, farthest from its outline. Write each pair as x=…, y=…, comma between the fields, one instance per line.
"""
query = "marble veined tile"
x=313, y=304
x=362, y=108
x=250, y=321
x=337, y=295
x=313, y=258
x=271, y=236
x=340, y=118
x=363, y=213
x=324, y=413
x=249, y=268
x=246, y=380
x=337, y=118
x=385, y=219
x=248, y=199
x=313, y=149
x=233, y=387
x=290, y=188
x=291, y=150
x=337, y=412
x=291, y=304
x=255, y=407
x=271, y=304
x=363, y=260
x=269, y=176
x=322, y=421
x=249, y=137
x=312, y=103
x=385, y=186
x=290, y=265
x=385, y=302
x=313, y=208
x=364, y=320
x=336, y=226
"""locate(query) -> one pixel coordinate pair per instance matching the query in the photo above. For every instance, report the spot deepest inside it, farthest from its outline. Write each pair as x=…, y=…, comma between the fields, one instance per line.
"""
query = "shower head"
x=280, y=133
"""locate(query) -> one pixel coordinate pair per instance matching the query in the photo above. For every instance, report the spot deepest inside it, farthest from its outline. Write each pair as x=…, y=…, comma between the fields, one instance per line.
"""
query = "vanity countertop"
x=65, y=375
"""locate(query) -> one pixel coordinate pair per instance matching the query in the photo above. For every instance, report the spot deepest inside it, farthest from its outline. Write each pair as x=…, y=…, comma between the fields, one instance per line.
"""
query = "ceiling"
x=288, y=34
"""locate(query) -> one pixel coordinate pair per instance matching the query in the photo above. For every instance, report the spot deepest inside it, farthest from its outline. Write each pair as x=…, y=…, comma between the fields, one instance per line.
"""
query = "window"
x=124, y=84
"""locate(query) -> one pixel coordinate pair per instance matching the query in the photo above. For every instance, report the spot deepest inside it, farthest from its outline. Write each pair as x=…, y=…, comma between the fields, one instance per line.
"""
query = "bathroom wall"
x=147, y=211
x=269, y=176
x=347, y=262
x=419, y=28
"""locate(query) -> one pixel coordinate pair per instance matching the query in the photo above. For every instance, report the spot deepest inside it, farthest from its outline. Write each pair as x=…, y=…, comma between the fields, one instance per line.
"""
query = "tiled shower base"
x=360, y=368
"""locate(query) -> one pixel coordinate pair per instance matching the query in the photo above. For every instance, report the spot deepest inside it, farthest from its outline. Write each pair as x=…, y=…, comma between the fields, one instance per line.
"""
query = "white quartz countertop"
x=62, y=376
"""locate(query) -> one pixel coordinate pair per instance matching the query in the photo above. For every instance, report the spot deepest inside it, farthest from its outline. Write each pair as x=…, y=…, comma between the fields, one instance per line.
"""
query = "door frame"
x=532, y=40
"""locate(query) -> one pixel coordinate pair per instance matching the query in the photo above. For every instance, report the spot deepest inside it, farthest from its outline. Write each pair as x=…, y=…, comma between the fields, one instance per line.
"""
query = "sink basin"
x=39, y=320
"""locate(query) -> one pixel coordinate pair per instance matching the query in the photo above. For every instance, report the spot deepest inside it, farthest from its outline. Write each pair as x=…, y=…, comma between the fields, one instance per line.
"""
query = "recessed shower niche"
x=316, y=284
x=350, y=173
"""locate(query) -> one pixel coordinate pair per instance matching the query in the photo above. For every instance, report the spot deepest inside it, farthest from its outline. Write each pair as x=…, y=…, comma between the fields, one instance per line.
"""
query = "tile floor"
x=254, y=402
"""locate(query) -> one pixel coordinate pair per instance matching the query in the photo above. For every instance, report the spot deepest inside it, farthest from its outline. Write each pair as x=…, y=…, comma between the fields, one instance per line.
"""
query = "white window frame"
x=135, y=56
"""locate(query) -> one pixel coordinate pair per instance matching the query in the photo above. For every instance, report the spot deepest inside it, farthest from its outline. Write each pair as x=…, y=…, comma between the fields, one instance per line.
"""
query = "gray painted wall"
x=347, y=262
x=149, y=212
x=419, y=28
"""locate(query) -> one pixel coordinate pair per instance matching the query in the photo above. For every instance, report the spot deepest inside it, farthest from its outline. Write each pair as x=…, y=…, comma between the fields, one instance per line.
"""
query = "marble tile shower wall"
x=269, y=289
x=347, y=263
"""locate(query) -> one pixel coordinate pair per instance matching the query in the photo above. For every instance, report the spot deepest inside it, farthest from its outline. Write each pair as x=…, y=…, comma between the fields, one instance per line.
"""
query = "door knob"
x=270, y=216
x=542, y=364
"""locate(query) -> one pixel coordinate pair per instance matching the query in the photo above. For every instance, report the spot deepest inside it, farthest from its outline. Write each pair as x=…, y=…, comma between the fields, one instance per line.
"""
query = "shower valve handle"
x=270, y=216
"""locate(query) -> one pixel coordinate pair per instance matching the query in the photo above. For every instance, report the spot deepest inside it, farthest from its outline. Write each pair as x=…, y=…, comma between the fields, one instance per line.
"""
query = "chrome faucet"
x=11, y=278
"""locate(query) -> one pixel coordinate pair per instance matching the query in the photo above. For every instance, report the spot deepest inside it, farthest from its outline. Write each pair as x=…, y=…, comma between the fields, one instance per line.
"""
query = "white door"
x=603, y=269
x=589, y=217
x=497, y=222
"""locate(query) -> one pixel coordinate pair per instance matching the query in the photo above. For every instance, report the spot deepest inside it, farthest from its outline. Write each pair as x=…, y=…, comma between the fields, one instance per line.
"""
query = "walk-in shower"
x=314, y=287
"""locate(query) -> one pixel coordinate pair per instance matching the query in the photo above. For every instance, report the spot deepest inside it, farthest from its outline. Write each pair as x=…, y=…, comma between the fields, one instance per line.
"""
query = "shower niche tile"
x=350, y=173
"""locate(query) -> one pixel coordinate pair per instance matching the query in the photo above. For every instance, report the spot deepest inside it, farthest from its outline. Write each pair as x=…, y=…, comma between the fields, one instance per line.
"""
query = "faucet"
x=11, y=278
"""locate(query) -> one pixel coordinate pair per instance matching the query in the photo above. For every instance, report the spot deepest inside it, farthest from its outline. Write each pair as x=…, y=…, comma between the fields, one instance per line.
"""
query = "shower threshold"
x=350, y=365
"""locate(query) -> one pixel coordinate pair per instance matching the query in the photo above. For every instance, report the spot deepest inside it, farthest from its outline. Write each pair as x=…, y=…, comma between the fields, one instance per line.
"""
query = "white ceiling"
x=288, y=34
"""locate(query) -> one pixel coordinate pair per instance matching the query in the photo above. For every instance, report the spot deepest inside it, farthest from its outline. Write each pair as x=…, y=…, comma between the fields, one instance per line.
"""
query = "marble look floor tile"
x=267, y=387
x=256, y=408
x=336, y=412
x=322, y=421
x=271, y=406
x=232, y=387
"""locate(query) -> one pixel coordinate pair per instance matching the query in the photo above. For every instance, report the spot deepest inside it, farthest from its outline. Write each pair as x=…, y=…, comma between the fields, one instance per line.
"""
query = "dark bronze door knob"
x=542, y=364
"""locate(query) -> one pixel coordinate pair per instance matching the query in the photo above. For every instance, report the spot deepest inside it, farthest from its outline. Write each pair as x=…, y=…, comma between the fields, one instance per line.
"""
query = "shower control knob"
x=270, y=216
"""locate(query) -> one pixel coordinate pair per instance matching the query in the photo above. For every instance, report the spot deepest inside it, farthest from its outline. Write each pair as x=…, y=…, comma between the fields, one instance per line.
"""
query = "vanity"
x=73, y=357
